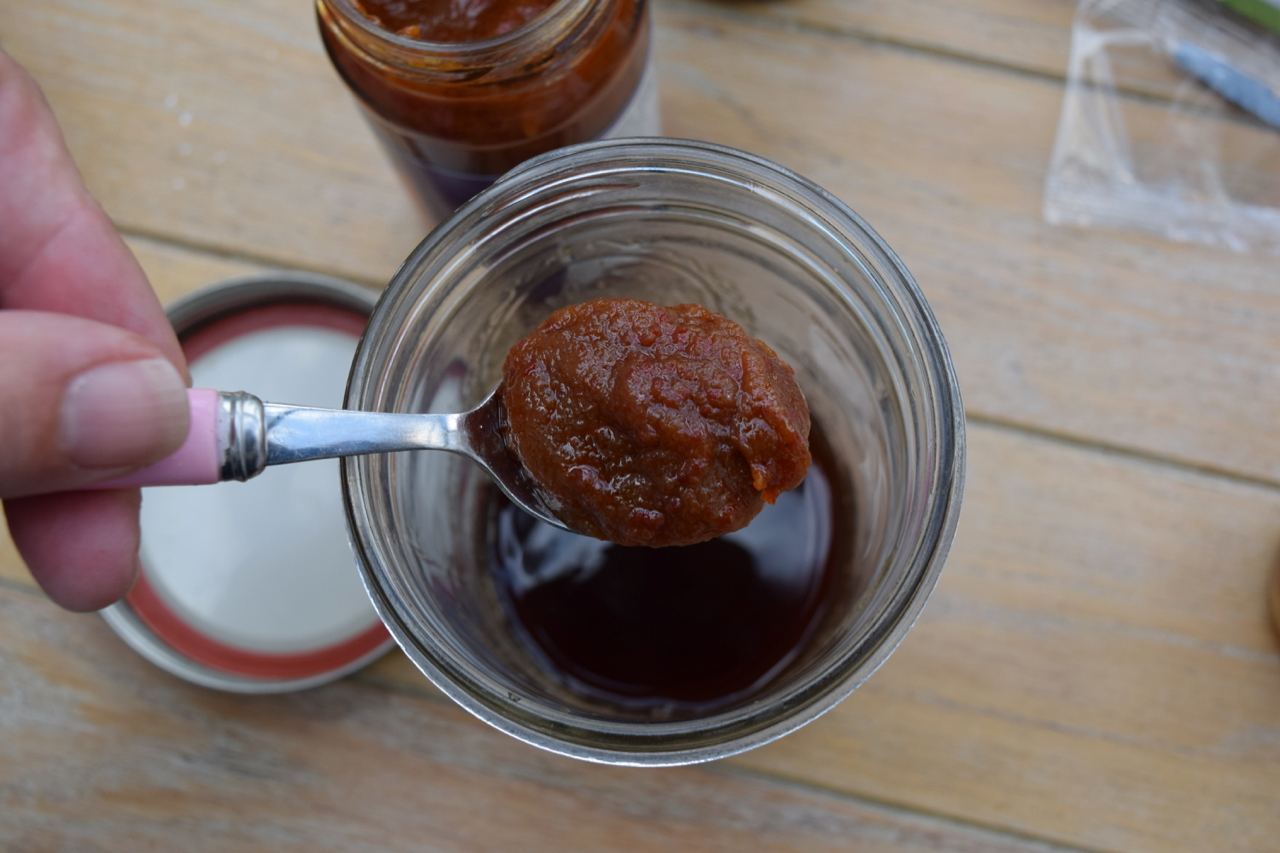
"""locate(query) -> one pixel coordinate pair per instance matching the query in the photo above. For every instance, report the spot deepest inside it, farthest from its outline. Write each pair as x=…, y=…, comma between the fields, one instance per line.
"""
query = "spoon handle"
x=234, y=436
x=197, y=462
x=298, y=433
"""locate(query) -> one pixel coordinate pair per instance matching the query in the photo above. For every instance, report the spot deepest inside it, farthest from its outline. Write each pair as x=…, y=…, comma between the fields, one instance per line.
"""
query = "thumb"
x=81, y=401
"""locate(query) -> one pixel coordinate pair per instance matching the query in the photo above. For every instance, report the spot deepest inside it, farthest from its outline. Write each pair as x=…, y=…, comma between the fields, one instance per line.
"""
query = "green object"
x=1264, y=12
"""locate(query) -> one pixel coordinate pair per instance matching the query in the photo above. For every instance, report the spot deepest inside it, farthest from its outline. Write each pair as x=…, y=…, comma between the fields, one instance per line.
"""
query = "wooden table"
x=1096, y=670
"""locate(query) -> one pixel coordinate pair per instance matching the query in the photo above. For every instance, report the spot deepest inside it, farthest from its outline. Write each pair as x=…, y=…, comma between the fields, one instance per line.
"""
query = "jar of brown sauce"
x=460, y=93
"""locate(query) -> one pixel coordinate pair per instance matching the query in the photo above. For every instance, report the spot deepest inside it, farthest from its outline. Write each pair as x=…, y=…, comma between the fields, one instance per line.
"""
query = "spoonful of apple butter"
x=616, y=418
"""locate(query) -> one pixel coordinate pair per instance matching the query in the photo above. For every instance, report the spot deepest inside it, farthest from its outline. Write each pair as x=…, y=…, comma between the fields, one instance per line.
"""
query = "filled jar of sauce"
x=460, y=92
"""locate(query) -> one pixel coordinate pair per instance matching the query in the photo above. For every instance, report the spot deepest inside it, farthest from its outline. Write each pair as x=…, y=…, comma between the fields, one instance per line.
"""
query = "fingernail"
x=124, y=413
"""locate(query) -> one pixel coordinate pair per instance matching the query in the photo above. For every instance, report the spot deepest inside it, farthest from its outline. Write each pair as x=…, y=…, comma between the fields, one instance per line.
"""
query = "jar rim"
x=546, y=27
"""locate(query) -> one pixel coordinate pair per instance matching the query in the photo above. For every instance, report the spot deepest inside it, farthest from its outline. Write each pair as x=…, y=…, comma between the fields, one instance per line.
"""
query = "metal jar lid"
x=251, y=587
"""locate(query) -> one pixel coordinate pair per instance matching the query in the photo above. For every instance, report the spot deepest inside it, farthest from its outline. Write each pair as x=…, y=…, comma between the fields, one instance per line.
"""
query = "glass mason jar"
x=453, y=116
x=670, y=222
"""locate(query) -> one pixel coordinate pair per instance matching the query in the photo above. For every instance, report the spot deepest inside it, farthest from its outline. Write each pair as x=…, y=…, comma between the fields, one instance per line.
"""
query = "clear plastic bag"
x=1145, y=144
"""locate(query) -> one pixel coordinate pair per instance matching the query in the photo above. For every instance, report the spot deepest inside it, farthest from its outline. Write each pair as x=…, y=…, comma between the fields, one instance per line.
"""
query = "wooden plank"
x=175, y=271
x=1031, y=35
x=103, y=752
x=1098, y=335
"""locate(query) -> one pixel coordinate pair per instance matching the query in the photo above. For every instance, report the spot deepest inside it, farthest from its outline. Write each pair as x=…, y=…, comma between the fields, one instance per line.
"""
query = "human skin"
x=91, y=375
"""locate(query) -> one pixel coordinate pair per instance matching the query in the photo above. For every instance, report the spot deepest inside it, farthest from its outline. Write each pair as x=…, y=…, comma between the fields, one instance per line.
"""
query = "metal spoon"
x=246, y=435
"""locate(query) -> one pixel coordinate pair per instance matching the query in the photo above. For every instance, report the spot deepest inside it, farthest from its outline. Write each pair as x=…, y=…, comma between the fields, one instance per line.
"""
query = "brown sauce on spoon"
x=646, y=425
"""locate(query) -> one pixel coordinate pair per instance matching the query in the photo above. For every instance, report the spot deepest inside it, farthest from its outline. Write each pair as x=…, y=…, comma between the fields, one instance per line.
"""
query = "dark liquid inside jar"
x=675, y=632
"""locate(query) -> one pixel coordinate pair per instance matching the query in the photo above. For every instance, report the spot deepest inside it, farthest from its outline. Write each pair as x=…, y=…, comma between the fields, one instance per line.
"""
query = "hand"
x=92, y=380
